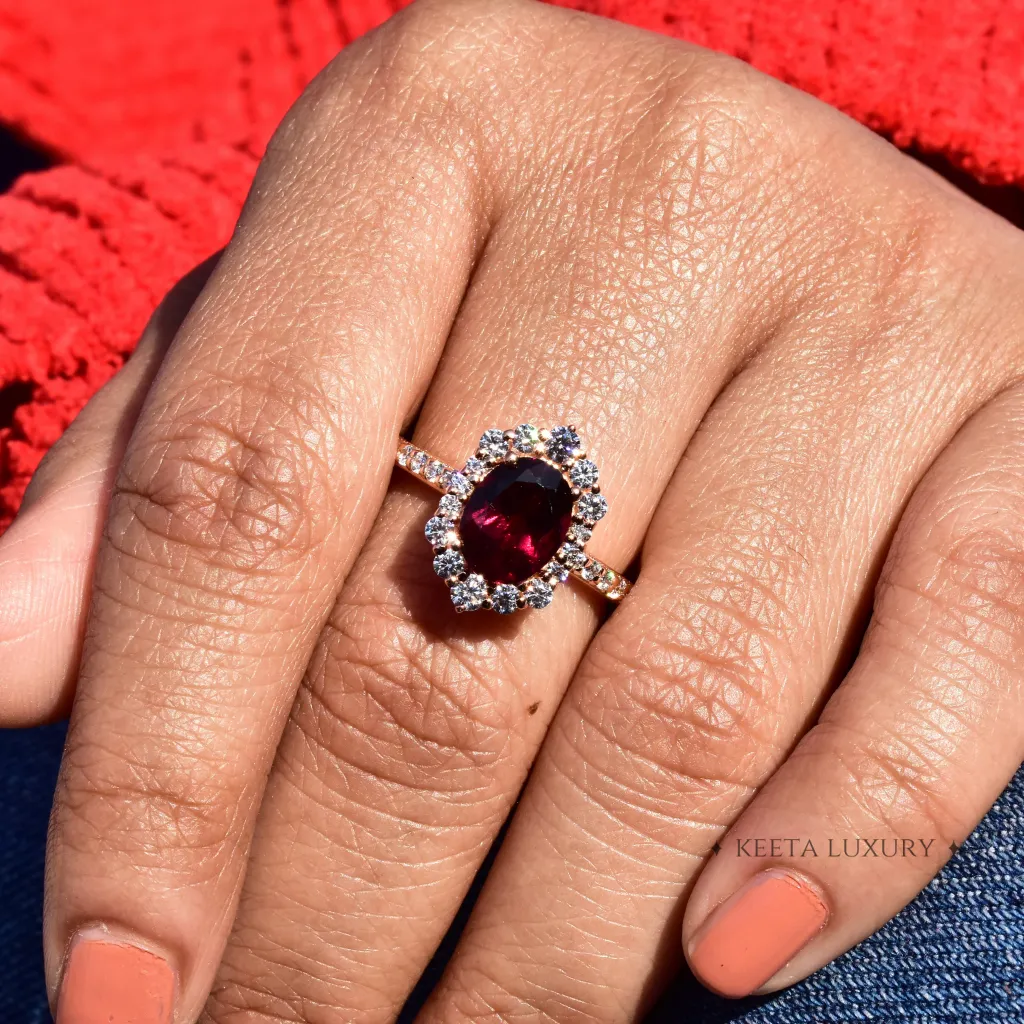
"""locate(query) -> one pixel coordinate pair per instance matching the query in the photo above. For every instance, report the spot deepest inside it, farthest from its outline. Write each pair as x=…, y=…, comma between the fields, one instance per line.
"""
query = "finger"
x=415, y=728
x=47, y=554
x=753, y=576
x=913, y=749
x=254, y=472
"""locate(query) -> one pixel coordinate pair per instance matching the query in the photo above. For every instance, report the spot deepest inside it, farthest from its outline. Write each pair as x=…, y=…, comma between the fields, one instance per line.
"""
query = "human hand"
x=795, y=353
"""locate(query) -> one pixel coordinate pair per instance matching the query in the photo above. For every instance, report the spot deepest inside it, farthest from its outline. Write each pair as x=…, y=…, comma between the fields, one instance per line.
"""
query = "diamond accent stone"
x=493, y=445
x=573, y=556
x=580, y=533
x=418, y=461
x=526, y=438
x=538, y=594
x=592, y=507
x=563, y=445
x=459, y=485
x=470, y=594
x=476, y=469
x=449, y=507
x=592, y=570
x=437, y=530
x=556, y=571
x=449, y=563
x=405, y=455
x=434, y=470
x=607, y=581
x=505, y=598
x=583, y=473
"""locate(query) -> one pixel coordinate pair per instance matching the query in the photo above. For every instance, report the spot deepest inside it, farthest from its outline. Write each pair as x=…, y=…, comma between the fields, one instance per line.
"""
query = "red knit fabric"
x=159, y=111
x=85, y=255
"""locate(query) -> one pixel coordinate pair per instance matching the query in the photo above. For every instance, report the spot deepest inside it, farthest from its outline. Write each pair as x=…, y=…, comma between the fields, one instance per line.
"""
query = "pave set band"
x=514, y=521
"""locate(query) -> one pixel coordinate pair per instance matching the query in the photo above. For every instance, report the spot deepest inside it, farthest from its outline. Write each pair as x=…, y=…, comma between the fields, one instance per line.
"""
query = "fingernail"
x=108, y=982
x=752, y=935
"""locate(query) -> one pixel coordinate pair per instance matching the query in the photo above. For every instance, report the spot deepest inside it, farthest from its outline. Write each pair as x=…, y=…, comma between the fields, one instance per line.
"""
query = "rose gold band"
x=437, y=474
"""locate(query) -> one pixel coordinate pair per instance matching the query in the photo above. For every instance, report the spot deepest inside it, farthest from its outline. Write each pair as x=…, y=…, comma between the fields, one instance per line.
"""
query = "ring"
x=514, y=521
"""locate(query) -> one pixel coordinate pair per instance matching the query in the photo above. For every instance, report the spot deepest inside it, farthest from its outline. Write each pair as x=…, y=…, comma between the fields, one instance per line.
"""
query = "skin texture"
x=795, y=354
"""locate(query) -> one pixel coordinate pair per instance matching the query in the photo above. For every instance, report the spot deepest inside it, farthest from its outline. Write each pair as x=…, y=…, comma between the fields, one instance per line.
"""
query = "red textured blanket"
x=156, y=114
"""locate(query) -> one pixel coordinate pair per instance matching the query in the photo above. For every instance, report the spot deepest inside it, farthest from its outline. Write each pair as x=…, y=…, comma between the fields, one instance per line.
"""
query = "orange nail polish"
x=106, y=982
x=756, y=932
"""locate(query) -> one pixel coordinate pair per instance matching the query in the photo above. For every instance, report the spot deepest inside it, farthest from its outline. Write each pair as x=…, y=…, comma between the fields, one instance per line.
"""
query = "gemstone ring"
x=514, y=521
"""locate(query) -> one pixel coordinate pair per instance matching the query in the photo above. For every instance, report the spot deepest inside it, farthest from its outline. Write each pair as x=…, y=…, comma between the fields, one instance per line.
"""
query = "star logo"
x=953, y=847
x=716, y=849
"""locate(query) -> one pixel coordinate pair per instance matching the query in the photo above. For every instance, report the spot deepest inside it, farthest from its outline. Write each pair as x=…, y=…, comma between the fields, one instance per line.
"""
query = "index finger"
x=254, y=473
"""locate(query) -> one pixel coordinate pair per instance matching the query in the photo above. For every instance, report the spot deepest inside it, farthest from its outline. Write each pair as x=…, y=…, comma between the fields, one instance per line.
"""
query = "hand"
x=796, y=354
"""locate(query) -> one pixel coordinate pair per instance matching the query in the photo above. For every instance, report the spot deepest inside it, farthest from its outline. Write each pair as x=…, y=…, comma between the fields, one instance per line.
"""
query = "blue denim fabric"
x=28, y=772
x=955, y=954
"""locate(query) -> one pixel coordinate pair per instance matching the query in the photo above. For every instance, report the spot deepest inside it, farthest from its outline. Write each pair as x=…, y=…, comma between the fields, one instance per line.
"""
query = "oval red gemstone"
x=515, y=520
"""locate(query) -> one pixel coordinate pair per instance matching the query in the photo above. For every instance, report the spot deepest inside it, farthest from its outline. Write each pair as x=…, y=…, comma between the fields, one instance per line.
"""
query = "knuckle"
x=236, y=487
x=713, y=147
x=404, y=105
x=900, y=780
x=114, y=799
x=987, y=561
x=432, y=51
x=407, y=710
x=969, y=565
x=699, y=680
x=454, y=65
x=898, y=268
x=739, y=159
x=715, y=107
x=700, y=694
x=430, y=20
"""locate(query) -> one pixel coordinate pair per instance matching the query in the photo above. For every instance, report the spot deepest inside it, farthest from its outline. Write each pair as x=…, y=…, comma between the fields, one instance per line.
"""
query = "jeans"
x=955, y=954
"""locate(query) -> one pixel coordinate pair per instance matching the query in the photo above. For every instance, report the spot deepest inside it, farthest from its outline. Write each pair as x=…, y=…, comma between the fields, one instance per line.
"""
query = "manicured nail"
x=109, y=982
x=752, y=935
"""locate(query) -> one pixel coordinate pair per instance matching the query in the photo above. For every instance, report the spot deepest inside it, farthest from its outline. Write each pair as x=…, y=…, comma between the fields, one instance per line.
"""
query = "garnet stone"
x=515, y=520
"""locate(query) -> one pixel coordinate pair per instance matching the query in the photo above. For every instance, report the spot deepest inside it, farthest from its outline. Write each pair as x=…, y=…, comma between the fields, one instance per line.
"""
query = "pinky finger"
x=910, y=752
x=46, y=556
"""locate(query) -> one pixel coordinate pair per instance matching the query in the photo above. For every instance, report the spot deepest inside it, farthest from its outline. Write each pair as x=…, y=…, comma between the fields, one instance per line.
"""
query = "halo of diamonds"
x=560, y=447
